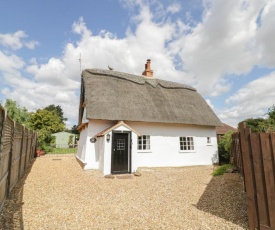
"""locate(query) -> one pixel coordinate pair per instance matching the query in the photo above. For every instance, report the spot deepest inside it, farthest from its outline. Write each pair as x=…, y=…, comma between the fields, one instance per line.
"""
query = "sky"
x=225, y=49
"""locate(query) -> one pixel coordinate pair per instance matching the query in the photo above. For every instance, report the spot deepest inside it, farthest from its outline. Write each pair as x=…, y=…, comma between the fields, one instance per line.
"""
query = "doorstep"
x=119, y=176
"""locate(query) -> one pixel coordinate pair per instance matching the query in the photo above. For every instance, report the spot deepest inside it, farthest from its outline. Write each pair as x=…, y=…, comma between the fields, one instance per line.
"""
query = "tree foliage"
x=58, y=110
x=46, y=123
x=263, y=124
x=74, y=129
x=254, y=123
x=271, y=113
x=17, y=113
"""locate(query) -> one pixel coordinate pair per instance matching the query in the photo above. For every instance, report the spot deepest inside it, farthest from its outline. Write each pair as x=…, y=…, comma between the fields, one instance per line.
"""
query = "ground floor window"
x=144, y=142
x=186, y=143
x=208, y=140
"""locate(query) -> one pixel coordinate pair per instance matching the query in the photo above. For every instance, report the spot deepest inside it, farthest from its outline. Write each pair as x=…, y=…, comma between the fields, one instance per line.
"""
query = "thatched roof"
x=112, y=95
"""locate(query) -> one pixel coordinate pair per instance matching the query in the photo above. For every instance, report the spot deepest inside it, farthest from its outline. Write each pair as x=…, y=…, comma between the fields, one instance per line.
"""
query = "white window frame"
x=189, y=141
x=144, y=138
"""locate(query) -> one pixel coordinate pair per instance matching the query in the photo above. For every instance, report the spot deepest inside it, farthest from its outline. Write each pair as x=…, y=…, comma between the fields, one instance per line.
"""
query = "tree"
x=263, y=124
x=58, y=110
x=17, y=113
x=74, y=129
x=271, y=113
x=46, y=123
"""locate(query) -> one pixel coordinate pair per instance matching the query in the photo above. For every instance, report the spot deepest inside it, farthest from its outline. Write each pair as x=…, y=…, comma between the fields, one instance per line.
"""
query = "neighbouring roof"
x=224, y=129
x=113, y=95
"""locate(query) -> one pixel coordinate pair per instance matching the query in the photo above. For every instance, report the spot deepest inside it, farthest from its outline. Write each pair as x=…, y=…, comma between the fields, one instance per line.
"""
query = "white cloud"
x=10, y=63
x=266, y=36
x=250, y=101
x=16, y=41
x=175, y=8
x=222, y=44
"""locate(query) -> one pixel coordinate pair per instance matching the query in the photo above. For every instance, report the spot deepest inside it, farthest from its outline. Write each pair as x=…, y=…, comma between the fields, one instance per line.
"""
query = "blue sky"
x=223, y=49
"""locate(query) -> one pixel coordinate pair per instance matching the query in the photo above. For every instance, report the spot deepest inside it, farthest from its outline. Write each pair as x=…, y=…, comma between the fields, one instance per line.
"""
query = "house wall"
x=88, y=152
x=165, y=147
x=100, y=148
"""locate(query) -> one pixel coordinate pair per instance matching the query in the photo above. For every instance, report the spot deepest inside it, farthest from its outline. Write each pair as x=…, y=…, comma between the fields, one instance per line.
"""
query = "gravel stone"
x=58, y=194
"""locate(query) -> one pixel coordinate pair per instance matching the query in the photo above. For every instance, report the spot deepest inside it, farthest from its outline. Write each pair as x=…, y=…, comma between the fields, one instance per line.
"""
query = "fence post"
x=10, y=161
x=21, y=151
x=2, y=123
x=249, y=176
x=27, y=148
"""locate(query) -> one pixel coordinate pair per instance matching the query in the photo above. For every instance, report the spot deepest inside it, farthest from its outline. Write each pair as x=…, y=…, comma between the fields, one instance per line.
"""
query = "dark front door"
x=121, y=153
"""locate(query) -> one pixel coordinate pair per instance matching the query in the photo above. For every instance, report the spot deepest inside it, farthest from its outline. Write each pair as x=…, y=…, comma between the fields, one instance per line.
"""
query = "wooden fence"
x=254, y=155
x=17, y=148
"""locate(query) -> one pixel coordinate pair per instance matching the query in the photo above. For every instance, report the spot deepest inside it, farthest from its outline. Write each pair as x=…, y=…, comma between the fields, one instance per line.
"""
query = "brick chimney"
x=148, y=72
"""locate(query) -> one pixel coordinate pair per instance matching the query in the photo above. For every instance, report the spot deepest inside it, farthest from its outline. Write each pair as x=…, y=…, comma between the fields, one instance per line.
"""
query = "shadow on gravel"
x=11, y=216
x=224, y=197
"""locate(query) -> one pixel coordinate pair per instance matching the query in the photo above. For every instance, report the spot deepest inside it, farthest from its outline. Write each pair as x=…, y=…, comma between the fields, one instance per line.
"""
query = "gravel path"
x=57, y=194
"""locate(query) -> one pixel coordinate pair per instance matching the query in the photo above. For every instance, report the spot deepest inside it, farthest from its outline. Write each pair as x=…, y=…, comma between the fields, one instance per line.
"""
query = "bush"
x=224, y=155
x=224, y=147
x=46, y=148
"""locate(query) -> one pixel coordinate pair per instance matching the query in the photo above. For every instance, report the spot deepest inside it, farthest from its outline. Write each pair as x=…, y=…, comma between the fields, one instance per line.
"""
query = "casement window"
x=186, y=143
x=144, y=142
x=209, y=140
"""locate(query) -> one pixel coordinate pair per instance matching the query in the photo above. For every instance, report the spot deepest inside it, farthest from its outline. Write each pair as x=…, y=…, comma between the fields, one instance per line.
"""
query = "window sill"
x=144, y=151
x=209, y=144
x=187, y=151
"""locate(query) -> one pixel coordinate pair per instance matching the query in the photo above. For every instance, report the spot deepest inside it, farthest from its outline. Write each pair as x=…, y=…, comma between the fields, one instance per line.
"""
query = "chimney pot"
x=148, y=72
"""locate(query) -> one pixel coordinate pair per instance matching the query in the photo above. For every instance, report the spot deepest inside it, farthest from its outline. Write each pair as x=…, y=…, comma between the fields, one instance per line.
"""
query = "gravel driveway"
x=57, y=194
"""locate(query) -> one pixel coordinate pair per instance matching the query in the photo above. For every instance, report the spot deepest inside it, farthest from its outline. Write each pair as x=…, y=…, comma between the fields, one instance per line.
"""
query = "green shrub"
x=46, y=148
x=224, y=155
x=224, y=146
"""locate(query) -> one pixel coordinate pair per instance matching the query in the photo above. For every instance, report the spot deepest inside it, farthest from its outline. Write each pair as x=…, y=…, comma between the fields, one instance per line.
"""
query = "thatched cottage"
x=128, y=121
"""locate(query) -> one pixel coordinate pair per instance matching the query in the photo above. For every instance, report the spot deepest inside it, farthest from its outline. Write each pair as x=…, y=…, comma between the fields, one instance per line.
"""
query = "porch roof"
x=120, y=123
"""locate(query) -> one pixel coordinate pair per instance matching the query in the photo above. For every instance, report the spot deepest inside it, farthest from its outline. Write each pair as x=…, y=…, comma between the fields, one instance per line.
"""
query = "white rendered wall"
x=89, y=152
x=100, y=148
x=165, y=147
x=81, y=150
